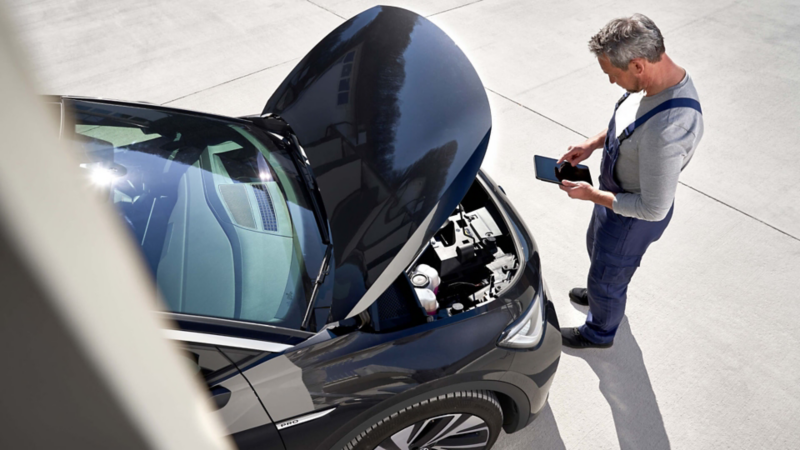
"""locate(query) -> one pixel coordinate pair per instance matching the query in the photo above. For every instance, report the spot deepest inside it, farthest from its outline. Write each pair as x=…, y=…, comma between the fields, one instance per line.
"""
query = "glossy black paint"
x=395, y=122
x=408, y=140
x=367, y=375
x=237, y=406
x=265, y=437
x=532, y=371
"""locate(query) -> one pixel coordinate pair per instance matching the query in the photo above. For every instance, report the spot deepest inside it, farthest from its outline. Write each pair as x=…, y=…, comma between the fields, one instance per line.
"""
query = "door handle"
x=220, y=396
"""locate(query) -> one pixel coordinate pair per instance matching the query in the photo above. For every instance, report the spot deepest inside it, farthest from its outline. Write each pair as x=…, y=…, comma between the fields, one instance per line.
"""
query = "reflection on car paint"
x=405, y=132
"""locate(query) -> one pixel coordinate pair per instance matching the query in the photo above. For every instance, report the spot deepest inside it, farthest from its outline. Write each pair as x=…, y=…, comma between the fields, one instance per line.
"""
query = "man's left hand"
x=585, y=191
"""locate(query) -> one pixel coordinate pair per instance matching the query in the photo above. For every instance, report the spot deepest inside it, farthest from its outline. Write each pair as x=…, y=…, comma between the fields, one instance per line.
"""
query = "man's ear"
x=636, y=65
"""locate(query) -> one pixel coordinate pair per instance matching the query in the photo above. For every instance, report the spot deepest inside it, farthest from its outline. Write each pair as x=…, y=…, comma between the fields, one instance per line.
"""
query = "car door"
x=237, y=406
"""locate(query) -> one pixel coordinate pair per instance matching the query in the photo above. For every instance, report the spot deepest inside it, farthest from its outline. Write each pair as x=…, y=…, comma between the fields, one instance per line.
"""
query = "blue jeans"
x=616, y=245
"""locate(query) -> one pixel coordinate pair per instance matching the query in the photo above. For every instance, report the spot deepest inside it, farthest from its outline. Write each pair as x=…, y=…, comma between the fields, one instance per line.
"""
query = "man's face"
x=630, y=79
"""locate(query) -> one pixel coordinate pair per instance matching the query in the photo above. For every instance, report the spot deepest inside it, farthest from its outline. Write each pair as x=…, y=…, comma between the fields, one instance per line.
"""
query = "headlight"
x=527, y=331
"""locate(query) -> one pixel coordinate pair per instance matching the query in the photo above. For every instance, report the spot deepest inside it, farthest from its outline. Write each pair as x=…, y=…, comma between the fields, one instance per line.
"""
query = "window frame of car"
x=246, y=335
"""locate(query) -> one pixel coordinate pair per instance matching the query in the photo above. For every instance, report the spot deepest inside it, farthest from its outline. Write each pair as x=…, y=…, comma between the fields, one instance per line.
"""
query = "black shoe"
x=571, y=337
x=579, y=296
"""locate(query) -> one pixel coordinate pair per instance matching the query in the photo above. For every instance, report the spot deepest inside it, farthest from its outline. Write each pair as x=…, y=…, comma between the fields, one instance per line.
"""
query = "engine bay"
x=468, y=262
x=473, y=259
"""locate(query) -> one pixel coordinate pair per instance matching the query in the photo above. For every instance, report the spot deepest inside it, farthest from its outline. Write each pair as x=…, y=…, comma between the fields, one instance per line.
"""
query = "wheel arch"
x=513, y=401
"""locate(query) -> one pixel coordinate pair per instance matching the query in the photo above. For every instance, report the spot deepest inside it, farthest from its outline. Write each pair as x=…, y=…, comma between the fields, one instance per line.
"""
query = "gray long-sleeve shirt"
x=651, y=160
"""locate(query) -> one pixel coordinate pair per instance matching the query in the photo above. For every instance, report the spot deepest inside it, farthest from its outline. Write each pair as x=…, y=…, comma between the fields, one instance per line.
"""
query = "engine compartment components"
x=466, y=238
x=425, y=280
x=467, y=263
x=425, y=277
x=472, y=260
x=427, y=299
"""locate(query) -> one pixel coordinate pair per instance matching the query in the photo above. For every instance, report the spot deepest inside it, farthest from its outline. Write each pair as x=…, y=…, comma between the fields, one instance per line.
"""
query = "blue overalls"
x=617, y=243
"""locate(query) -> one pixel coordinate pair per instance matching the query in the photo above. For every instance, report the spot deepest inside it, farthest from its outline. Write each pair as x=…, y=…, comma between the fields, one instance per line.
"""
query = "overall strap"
x=669, y=104
x=622, y=99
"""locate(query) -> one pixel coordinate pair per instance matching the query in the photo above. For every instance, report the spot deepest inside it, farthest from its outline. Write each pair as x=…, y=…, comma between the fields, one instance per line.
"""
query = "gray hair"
x=628, y=38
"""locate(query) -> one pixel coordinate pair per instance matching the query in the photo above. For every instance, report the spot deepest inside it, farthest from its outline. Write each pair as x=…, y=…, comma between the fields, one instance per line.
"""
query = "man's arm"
x=660, y=161
x=599, y=139
x=661, y=158
x=577, y=153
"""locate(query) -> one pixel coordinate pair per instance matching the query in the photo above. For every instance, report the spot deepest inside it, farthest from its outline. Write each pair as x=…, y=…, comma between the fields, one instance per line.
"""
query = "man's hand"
x=577, y=153
x=585, y=191
x=580, y=190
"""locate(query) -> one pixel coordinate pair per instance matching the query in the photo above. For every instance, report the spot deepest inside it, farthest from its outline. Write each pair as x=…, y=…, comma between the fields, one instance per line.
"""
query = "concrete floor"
x=705, y=357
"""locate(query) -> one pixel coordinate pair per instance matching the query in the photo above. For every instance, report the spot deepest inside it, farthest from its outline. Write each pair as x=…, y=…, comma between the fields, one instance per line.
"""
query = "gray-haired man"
x=651, y=138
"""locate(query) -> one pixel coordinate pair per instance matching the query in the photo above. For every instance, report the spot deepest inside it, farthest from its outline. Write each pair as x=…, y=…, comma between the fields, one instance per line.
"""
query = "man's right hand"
x=577, y=153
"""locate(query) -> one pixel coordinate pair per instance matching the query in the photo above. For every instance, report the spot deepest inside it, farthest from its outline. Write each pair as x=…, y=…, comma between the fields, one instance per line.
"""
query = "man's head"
x=626, y=49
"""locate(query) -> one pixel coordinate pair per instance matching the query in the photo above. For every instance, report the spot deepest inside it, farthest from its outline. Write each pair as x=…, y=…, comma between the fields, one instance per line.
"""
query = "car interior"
x=207, y=210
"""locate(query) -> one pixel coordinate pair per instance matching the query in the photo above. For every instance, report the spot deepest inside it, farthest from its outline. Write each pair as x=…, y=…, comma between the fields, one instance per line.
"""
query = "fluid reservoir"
x=427, y=299
x=425, y=277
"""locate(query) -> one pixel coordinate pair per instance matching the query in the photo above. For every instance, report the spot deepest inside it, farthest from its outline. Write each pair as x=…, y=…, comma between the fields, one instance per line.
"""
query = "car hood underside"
x=395, y=122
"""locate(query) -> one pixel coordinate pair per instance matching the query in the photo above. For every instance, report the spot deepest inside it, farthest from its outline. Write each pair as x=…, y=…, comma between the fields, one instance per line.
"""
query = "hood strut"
x=323, y=272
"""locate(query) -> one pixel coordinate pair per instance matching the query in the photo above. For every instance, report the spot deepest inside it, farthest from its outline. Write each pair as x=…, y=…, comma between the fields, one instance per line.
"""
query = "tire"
x=466, y=420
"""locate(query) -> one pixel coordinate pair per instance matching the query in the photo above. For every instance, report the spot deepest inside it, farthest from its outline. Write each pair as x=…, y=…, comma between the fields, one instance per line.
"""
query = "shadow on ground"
x=625, y=384
x=543, y=434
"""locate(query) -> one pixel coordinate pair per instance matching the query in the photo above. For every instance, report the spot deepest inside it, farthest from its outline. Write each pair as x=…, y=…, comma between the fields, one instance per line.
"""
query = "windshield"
x=221, y=217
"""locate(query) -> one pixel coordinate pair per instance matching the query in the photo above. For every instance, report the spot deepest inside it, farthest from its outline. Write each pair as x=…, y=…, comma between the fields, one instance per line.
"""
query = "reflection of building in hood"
x=342, y=377
x=390, y=112
x=366, y=381
x=333, y=91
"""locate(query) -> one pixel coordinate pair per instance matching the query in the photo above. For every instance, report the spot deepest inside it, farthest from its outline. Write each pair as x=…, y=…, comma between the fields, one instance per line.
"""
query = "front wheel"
x=466, y=420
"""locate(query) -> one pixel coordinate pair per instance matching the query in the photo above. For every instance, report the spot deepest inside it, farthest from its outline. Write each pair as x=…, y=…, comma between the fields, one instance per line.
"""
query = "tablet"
x=548, y=170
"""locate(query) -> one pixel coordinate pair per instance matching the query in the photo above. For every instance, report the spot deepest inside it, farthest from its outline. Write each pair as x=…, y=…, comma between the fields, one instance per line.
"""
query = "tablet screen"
x=546, y=170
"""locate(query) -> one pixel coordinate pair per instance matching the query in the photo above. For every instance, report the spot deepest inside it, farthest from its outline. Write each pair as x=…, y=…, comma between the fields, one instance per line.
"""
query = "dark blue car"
x=340, y=272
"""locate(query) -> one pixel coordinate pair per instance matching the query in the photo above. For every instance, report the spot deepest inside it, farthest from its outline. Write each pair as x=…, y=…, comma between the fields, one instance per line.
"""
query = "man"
x=652, y=136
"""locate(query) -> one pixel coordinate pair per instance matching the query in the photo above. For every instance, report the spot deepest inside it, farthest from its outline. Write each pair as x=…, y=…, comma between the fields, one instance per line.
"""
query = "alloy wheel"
x=449, y=431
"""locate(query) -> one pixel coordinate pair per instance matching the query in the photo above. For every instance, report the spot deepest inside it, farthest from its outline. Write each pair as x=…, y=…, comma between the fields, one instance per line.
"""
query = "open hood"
x=395, y=123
